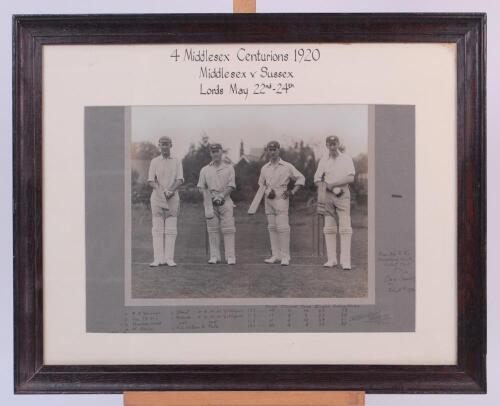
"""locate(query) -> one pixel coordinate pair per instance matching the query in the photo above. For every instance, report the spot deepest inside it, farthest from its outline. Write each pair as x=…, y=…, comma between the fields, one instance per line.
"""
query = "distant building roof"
x=255, y=155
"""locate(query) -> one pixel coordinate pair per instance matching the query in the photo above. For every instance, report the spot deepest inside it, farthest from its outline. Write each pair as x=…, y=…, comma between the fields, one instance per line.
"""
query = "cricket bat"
x=321, y=203
x=207, y=203
x=164, y=194
x=256, y=200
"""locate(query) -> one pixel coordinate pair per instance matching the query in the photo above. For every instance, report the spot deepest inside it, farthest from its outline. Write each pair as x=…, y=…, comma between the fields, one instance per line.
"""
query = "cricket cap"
x=165, y=140
x=331, y=139
x=273, y=144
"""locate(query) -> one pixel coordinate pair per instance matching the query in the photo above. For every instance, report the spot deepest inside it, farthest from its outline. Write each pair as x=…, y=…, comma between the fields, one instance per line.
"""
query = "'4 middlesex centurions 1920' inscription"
x=261, y=72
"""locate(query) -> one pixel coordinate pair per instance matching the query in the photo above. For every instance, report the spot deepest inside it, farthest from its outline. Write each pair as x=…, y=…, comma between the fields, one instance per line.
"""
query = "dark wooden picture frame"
x=467, y=31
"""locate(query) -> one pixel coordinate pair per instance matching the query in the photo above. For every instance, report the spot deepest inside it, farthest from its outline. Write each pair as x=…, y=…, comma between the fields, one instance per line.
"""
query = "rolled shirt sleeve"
x=180, y=171
x=231, y=182
x=299, y=179
x=262, y=179
x=151, y=172
x=202, y=183
x=350, y=165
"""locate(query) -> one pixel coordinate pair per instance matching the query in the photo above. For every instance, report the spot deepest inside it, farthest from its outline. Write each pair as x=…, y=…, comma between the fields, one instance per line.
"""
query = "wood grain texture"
x=31, y=33
x=245, y=398
x=244, y=6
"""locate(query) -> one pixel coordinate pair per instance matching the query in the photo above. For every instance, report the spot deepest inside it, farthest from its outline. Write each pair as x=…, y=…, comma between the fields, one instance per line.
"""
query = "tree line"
x=247, y=171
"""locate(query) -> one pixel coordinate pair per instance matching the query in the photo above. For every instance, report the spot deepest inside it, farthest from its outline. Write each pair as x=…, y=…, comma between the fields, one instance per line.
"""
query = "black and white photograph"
x=243, y=202
x=263, y=217
x=260, y=201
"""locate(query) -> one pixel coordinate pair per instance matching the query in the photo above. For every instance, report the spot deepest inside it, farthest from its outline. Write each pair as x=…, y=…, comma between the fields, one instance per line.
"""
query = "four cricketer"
x=274, y=178
x=165, y=176
x=216, y=183
x=337, y=170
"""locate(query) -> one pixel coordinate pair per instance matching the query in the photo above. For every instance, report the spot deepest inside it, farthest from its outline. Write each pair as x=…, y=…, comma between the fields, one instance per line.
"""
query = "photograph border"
x=247, y=300
x=466, y=31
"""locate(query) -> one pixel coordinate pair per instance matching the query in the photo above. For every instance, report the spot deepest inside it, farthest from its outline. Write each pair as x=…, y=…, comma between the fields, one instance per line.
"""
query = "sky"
x=255, y=125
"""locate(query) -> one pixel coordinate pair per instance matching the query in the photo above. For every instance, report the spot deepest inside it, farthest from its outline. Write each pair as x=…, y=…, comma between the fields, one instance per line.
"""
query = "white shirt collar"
x=222, y=164
x=280, y=162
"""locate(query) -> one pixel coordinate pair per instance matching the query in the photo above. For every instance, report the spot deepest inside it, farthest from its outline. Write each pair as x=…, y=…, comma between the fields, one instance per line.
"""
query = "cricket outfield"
x=305, y=277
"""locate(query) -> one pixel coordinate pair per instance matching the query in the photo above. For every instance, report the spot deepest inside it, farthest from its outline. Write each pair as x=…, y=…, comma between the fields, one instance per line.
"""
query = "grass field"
x=250, y=277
